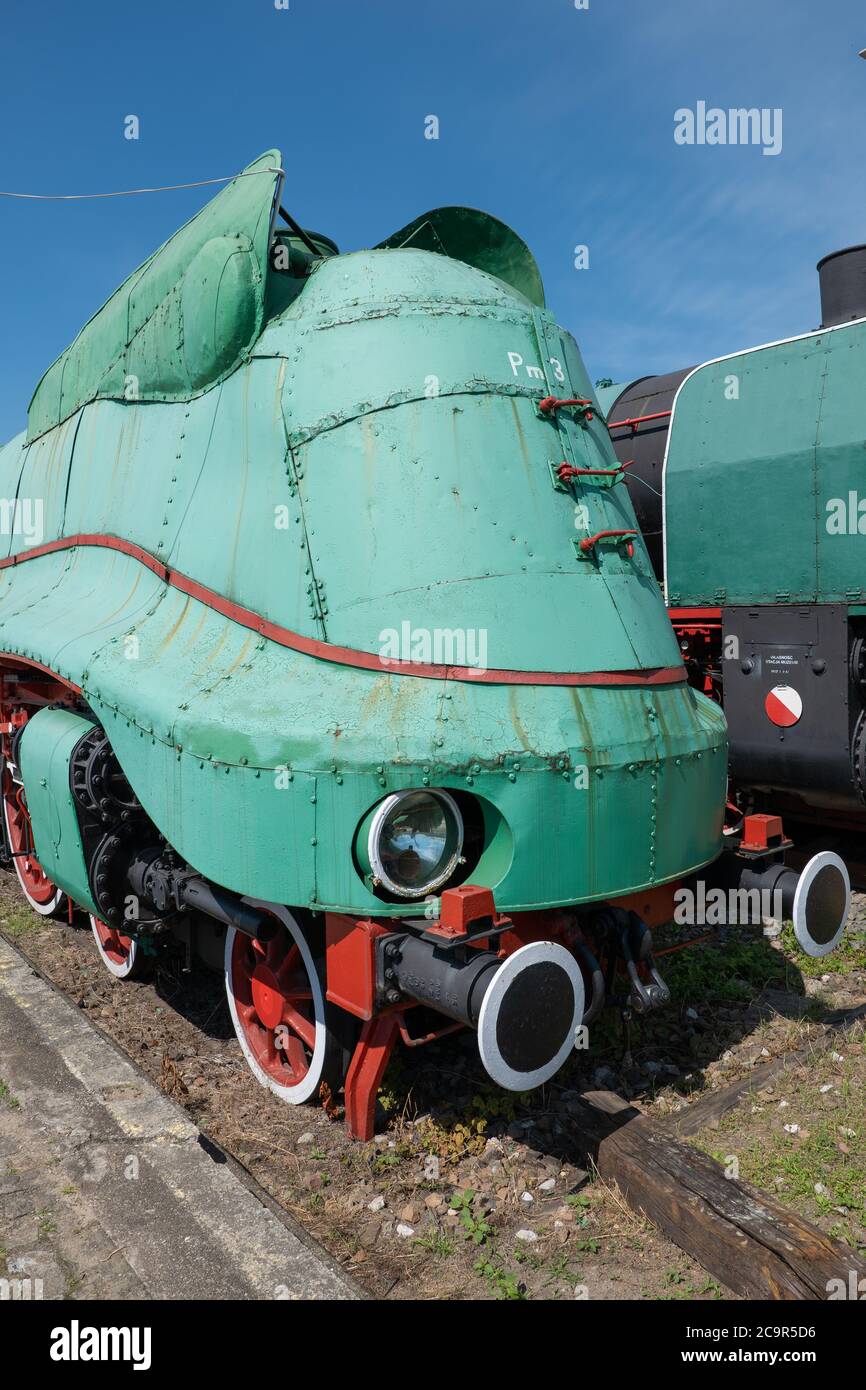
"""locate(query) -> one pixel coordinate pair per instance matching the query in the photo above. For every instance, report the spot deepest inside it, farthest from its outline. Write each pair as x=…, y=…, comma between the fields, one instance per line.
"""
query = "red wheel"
x=121, y=955
x=277, y=1003
x=42, y=895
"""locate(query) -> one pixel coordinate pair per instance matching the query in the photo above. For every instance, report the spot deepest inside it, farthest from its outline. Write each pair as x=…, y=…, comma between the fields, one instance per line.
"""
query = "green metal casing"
x=373, y=464
x=765, y=466
x=46, y=747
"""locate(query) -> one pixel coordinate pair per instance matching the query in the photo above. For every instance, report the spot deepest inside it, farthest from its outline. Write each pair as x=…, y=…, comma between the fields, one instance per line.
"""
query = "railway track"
x=746, y=1239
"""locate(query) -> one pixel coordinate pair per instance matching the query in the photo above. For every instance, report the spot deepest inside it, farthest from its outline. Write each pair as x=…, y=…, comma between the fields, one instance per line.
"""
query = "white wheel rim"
x=807, y=878
x=311, y=1081
x=494, y=1063
x=118, y=969
x=44, y=909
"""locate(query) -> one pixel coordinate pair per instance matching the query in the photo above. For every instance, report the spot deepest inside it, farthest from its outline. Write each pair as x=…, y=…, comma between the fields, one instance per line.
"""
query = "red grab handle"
x=639, y=420
x=551, y=404
x=565, y=472
x=589, y=541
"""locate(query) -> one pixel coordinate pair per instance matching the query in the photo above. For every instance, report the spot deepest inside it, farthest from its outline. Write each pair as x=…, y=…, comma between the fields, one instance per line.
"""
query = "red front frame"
x=350, y=945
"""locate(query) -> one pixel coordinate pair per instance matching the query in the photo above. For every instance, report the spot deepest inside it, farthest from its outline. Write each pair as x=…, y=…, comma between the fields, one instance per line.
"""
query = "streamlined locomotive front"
x=341, y=655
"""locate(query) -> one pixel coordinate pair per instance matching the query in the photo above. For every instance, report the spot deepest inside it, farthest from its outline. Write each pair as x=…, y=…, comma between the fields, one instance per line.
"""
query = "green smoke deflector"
x=480, y=240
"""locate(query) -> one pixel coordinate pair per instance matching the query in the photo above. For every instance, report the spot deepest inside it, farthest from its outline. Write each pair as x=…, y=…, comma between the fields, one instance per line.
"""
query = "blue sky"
x=559, y=121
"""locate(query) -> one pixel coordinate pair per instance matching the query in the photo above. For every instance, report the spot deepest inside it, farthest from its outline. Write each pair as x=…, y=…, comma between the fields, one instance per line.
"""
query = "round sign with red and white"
x=784, y=706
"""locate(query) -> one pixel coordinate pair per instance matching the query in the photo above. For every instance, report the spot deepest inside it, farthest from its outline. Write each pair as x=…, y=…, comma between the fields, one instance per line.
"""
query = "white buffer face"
x=821, y=904
x=530, y=1014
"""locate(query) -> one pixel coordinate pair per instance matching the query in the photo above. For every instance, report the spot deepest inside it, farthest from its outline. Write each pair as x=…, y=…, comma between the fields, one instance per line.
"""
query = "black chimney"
x=842, y=277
